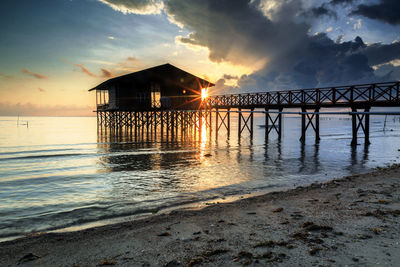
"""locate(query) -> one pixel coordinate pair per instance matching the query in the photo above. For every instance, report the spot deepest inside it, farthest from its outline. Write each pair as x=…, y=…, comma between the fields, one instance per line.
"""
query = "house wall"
x=175, y=94
x=133, y=96
x=112, y=97
x=183, y=92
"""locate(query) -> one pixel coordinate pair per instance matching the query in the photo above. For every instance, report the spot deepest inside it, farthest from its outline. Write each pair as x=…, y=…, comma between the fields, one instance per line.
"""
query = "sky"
x=53, y=51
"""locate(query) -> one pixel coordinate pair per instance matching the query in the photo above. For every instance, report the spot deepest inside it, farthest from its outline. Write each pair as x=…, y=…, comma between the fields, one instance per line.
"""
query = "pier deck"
x=216, y=110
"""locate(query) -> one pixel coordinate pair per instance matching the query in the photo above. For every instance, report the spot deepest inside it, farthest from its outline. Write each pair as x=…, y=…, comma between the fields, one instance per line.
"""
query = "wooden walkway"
x=378, y=94
x=215, y=112
x=360, y=98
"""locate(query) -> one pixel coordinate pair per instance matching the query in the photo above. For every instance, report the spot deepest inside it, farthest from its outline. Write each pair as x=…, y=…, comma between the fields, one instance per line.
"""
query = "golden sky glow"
x=65, y=92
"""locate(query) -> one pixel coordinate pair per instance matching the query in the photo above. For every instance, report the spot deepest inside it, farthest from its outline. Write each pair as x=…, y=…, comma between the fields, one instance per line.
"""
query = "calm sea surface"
x=60, y=173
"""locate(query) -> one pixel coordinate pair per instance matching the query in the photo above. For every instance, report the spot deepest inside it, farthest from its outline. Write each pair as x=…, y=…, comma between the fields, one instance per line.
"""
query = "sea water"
x=60, y=173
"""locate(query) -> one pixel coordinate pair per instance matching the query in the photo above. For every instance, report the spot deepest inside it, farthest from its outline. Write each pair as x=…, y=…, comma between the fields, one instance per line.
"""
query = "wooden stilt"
x=317, y=138
x=229, y=123
x=251, y=123
x=280, y=124
x=366, y=130
x=216, y=123
x=266, y=124
x=240, y=123
x=354, y=127
x=209, y=123
x=303, y=126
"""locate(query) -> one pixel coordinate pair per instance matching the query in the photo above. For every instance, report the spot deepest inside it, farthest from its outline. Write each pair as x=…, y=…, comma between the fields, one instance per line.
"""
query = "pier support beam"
x=360, y=121
x=280, y=124
x=309, y=120
x=273, y=123
x=248, y=122
x=222, y=119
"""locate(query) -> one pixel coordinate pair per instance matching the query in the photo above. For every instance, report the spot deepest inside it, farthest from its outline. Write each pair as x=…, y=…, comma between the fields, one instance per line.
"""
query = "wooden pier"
x=359, y=98
x=215, y=112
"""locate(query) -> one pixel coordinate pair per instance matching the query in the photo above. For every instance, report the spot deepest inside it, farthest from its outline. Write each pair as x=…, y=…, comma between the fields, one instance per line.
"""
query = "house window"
x=102, y=98
x=155, y=95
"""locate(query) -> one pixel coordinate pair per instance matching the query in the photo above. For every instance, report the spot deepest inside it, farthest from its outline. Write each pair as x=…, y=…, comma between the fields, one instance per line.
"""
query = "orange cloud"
x=106, y=73
x=5, y=76
x=33, y=74
x=128, y=65
x=132, y=59
x=85, y=70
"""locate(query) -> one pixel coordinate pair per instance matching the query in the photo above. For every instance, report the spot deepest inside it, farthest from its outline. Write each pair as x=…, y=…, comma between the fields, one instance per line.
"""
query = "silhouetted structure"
x=160, y=87
x=171, y=98
x=359, y=98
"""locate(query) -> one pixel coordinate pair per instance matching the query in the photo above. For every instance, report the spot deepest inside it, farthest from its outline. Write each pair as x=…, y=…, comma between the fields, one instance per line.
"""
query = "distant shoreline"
x=352, y=220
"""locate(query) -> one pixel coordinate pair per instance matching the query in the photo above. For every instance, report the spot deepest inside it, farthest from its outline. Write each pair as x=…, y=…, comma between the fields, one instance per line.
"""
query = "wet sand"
x=354, y=220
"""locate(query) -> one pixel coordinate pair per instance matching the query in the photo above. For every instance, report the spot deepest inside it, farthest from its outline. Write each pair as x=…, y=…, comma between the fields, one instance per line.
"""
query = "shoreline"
x=188, y=206
x=350, y=220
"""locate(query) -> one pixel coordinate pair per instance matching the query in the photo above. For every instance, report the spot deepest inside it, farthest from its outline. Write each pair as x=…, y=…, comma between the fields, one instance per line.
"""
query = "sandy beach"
x=351, y=221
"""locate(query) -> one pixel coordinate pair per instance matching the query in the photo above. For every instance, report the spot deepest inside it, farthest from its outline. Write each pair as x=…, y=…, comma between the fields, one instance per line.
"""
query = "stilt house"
x=160, y=87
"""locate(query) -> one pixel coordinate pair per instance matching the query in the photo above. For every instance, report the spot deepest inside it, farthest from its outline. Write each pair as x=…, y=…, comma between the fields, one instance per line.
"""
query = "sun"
x=204, y=93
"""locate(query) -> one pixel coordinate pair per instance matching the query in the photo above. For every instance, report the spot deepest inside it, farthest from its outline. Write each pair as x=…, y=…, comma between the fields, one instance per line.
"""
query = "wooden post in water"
x=172, y=124
x=195, y=115
x=280, y=124
x=155, y=124
x=216, y=123
x=200, y=124
x=209, y=124
x=303, y=125
x=168, y=124
x=251, y=123
x=162, y=124
x=366, y=128
x=266, y=124
x=229, y=122
x=176, y=123
x=182, y=124
x=147, y=125
x=240, y=123
x=354, y=127
x=135, y=122
x=317, y=138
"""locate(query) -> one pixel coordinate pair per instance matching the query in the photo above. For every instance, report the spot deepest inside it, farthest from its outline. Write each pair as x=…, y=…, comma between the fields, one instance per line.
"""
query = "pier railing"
x=216, y=110
x=377, y=94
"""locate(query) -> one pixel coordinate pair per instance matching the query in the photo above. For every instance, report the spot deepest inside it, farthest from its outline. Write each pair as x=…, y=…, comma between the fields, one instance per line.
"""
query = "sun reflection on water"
x=203, y=138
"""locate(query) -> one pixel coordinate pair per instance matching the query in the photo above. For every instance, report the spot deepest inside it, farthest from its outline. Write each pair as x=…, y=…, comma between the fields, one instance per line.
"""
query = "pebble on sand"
x=278, y=210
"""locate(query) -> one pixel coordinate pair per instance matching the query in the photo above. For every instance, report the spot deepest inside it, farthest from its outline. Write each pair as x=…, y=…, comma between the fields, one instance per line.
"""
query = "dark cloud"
x=106, y=73
x=239, y=33
x=386, y=10
x=276, y=43
x=389, y=71
x=382, y=53
x=322, y=11
x=230, y=77
x=33, y=74
x=325, y=62
x=339, y=2
x=221, y=88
